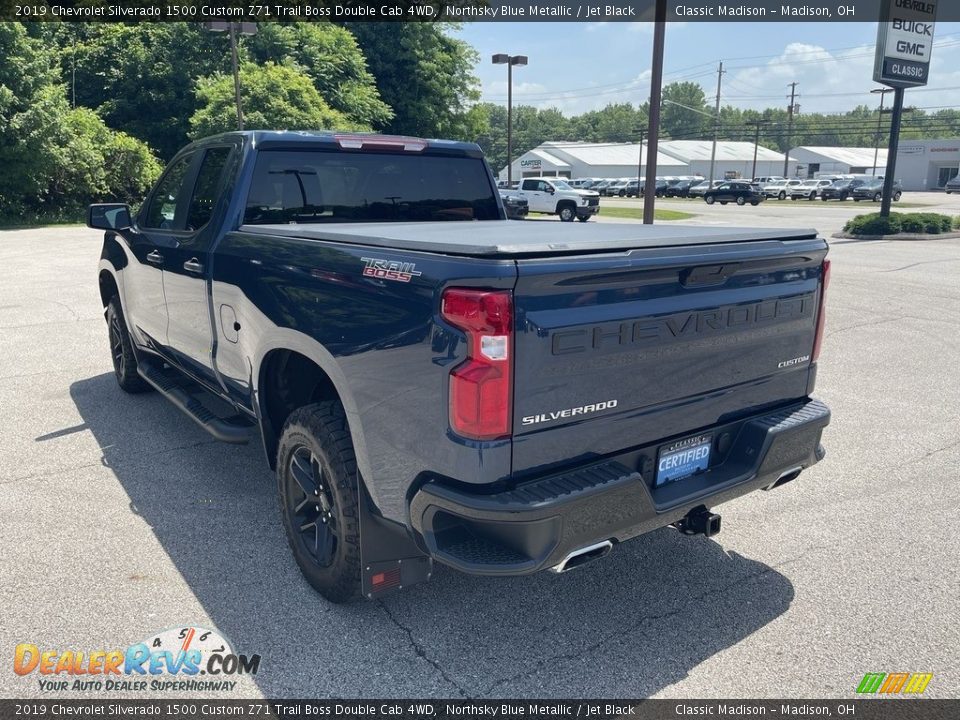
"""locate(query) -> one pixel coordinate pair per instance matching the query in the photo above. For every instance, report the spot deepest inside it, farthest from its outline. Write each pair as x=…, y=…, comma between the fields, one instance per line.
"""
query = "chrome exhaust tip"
x=582, y=556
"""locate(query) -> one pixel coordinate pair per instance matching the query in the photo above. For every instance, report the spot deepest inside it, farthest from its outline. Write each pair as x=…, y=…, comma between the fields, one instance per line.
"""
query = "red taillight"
x=821, y=311
x=481, y=386
x=380, y=142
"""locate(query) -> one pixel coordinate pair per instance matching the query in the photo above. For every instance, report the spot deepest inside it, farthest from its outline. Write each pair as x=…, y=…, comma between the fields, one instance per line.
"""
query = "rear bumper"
x=538, y=523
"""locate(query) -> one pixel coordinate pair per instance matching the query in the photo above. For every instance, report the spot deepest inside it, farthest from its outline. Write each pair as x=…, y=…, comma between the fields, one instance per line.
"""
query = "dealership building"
x=579, y=159
x=927, y=164
x=621, y=160
x=813, y=162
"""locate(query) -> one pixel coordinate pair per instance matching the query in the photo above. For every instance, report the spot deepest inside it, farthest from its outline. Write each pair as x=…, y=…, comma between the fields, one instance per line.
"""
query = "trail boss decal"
x=569, y=412
x=389, y=270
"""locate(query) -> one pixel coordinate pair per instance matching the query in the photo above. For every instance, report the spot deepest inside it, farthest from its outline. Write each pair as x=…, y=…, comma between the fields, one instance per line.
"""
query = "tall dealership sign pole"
x=509, y=61
x=904, y=45
x=653, y=126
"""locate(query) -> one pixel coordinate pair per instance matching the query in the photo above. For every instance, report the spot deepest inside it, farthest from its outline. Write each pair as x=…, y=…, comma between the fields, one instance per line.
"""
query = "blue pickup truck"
x=432, y=383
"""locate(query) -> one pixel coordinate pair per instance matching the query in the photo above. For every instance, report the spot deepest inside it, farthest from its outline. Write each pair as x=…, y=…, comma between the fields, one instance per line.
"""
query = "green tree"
x=141, y=78
x=330, y=57
x=425, y=76
x=275, y=97
x=56, y=159
x=684, y=105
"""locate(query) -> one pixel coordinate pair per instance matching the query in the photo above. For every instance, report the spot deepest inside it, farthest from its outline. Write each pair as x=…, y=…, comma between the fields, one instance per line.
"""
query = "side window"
x=205, y=191
x=544, y=187
x=529, y=185
x=161, y=213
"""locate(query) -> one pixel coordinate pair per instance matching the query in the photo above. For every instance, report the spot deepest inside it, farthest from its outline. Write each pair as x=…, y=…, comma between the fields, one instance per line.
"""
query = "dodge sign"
x=905, y=42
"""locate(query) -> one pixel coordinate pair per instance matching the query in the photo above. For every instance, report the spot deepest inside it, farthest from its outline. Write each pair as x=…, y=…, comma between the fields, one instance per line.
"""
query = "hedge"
x=896, y=223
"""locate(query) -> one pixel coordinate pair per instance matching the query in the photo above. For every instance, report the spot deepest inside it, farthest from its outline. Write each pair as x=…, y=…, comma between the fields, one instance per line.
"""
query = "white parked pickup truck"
x=553, y=196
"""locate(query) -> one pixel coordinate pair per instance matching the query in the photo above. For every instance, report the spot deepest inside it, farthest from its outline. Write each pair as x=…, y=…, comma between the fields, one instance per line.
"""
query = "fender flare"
x=287, y=339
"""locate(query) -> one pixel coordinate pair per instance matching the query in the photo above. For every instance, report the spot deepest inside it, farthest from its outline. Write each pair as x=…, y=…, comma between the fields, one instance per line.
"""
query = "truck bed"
x=525, y=239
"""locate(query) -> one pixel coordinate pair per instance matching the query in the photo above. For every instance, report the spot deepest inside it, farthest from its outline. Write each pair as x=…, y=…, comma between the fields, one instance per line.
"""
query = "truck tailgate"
x=621, y=350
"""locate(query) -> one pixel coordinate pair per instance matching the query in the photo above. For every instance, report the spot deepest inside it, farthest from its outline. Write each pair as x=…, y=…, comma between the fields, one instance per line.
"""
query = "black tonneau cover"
x=532, y=238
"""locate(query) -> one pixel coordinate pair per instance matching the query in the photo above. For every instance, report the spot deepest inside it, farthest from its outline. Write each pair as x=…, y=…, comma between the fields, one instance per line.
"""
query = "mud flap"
x=389, y=558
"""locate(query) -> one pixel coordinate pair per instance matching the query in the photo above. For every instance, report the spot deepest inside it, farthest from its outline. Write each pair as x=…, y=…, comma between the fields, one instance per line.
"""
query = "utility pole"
x=236, y=74
x=640, y=163
x=653, y=125
x=876, y=140
x=233, y=28
x=790, y=110
x=716, y=122
x=756, y=143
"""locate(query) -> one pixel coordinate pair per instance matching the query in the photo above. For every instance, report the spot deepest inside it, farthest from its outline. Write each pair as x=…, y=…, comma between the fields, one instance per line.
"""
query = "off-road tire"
x=121, y=350
x=321, y=431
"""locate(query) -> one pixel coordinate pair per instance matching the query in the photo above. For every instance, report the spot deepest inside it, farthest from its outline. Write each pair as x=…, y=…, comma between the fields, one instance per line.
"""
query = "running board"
x=173, y=386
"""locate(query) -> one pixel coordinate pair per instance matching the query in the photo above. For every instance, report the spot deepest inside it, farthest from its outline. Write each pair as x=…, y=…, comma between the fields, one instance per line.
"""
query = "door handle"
x=154, y=257
x=193, y=265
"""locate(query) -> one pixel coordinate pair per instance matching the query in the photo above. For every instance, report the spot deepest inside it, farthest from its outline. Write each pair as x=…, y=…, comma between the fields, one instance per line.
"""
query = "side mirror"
x=109, y=216
x=551, y=190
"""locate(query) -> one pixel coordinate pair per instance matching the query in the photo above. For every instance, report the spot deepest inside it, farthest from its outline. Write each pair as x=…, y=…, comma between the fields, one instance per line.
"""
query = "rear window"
x=316, y=186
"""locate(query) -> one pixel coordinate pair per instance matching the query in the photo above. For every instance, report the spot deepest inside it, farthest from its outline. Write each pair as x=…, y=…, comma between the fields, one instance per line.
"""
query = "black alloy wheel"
x=311, y=507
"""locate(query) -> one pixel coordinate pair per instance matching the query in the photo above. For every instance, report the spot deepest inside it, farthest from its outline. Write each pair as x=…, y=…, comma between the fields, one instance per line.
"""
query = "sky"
x=584, y=66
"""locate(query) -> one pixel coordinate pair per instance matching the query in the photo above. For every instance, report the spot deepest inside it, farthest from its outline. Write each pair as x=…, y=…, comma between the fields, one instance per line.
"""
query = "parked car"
x=840, y=189
x=659, y=187
x=680, y=188
x=780, y=190
x=632, y=189
x=767, y=180
x=452, y=421
x=515, y=205
x=552, y=196
x=698, y=188
x=600, y=187
x=617, y=188
x=739, y=192
x=808, y=189
x=953, y=185
x=873, y=190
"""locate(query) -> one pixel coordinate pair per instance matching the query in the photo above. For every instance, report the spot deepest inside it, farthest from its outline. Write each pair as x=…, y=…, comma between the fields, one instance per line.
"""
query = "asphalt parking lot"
x=121, y=518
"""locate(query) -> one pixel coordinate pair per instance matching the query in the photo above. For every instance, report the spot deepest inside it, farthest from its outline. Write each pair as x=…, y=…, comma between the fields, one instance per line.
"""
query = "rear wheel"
x=877, y=197
x=897, y=195
x=754, y=202
x=709, y=199
x=121, y=350
x=567, y=212
x=317, y=482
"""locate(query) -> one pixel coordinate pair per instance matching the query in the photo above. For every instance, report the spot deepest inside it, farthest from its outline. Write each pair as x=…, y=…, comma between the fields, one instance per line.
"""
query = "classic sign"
x=905, y=43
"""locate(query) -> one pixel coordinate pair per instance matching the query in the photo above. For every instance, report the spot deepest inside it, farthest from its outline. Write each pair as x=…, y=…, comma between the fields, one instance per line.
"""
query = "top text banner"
x=459, y=10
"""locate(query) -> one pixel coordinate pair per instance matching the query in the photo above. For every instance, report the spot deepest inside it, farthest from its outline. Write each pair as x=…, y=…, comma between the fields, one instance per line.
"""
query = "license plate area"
x=683, y=458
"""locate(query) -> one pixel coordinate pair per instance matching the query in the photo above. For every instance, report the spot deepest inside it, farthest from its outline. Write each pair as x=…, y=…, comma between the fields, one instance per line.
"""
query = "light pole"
x=243, y=28
x=509, y=61
x=876, y=140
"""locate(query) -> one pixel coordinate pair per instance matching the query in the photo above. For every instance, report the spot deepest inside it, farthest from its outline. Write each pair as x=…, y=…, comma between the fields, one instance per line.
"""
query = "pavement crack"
x=865, y=324
x=641, y=624
x=421, y=652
